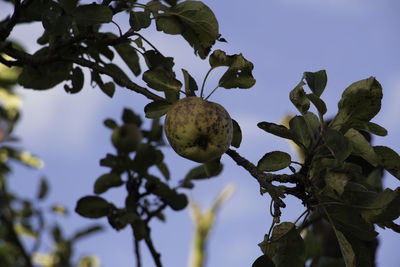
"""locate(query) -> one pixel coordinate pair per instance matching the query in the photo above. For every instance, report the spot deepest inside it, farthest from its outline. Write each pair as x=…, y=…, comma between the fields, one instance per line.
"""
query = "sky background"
x=350, y=39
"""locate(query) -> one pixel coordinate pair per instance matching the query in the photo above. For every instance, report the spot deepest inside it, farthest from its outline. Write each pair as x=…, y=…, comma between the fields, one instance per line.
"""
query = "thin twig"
x=156, y=256
x=137, y=253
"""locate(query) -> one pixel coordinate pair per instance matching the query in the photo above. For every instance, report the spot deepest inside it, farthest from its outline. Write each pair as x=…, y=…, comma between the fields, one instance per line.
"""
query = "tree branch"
x=154, y=253
x=29, y=59
x=137, y=253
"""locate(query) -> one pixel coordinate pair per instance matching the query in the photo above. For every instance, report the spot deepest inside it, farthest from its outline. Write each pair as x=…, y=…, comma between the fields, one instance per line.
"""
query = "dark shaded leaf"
x=92, y=14
x=370, y=127
x=384, y=207
x=237, y=134
x=274, y=161
x=93, y=207
x=55, y=22
x=107, y=181
x=169, y=25
x=128, y=116
x=129, y=56
x=389, y=160
x=178, y=201
x=316, y=81
x=190, y=83
x=338, y=144
x=318, y=103
x=287, y=247
x=346, y=249
x=336, y=181
x=43, y=189
x=213, y=167
x=163, y=168
x=161, y=79
x=299, y=98
x=139, y=20
x=361, y=147
x=110, y=123
x=77, y=81
x=154, y=59
x=263, y=261
x=156, y=109
x=108, y=88
x=299, y=126
x=276, y=129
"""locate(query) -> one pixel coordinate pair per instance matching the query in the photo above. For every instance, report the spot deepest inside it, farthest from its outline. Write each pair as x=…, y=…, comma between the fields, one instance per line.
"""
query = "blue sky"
x=351, y=39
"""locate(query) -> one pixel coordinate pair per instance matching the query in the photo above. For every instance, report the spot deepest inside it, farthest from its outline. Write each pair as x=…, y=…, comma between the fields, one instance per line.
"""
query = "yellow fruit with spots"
x=198, y=130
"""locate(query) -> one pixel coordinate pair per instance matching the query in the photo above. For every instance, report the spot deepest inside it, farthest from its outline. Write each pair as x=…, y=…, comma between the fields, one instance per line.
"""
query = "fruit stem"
x=204, y=82
x=215, y=89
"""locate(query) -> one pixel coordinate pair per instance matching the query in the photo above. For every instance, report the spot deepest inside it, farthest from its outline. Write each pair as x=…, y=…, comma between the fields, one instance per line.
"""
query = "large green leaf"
x=239, y=73
x=389, y=160
x=194, y=21
x=361, y=101
x=274, y=161
x=336, y=181
x=318, y=103
x=361, y=147
x=263, y=261
x=92, y=14
x=316, y=81
x=93, y=207
x=190, y=83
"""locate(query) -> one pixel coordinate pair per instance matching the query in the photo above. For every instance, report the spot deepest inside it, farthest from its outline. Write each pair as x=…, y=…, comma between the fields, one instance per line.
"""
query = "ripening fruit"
x=126, y=138
x=198, y=130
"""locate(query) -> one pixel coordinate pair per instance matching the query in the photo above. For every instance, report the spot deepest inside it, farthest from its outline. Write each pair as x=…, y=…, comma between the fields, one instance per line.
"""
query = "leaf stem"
x=204, y=82
x=212, y=92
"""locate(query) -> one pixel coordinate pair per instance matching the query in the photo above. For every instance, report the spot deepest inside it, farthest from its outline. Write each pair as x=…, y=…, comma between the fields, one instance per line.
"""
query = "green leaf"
x=370, y=127
x=312, y=121
x=389, y=160
x=237, y=134
x=107, y=181
x=92, y=14
x=361, y=101
x=56, y=23
x=338, y=144
x=337, y=181
x=190, y=83
x=108, y=88
x=178, y=201
x=316, y=81
x=299, y=98
x=318, y=103
x=198, y=23
x=287, y=247
x=129, y=56
x=361, y=147
x=118, y=72
x=93, y=207
x=239, y=73
x=384, y=207
x=263, y=261
x=276, y=129
x=139, y=20
x=128, y=116
x=199, y=172
x=312, y=247
x=274, y=161
x=77, y=79
x=156, y=109
x=161, y=79
x=299, y=126
x=110, y=124
x=43, y=189
x=145, y=157
x=163, y=168
x=213, y=167
x=348, y=220
x=346, y=249
x=154, y=59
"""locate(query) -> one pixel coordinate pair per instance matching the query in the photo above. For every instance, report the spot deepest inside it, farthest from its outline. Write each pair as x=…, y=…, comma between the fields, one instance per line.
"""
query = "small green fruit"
x=198, y=130
x=126, y=138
